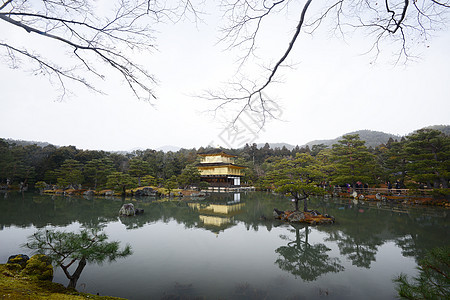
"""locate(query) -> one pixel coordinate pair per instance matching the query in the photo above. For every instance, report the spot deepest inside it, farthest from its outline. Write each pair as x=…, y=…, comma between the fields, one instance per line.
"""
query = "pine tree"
x=66, y=248
x=297, y=177
x=352, y=161
x=428, y=153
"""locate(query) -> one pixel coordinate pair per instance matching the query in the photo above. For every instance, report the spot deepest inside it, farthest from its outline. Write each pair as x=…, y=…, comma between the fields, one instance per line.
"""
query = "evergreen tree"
x=315, y=149
x=352, y=161
x=66, y=248
x=139, y=168
x=120, y=181
x=298, y=177
x=433, y=281
x=189, y=176
x=97, y=170
x=70, y=173
x=394, y=161
x=171, y=184
x=428, y=153
x=148, y=180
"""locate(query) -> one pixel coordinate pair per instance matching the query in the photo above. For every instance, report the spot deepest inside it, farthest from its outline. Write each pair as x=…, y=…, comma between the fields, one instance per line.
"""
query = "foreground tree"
x=67, y=248
x=297, y=177
x=433, y=281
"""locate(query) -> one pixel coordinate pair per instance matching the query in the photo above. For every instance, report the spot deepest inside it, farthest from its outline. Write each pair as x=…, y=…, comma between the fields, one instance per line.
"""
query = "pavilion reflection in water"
x=217, y=217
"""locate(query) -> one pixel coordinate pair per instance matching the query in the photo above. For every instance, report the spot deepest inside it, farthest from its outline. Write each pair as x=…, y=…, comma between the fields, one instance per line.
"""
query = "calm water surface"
x=220, y=247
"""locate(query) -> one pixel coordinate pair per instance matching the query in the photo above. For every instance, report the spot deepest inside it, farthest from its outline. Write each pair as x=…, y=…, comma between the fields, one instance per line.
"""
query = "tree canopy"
x=299, y=177
x=418, y=160
x=90, y=245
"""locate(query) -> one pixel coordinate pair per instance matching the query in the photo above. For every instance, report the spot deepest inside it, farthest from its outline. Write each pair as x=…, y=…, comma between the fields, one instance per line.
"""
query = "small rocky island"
x=128, y=210
x=312, y=217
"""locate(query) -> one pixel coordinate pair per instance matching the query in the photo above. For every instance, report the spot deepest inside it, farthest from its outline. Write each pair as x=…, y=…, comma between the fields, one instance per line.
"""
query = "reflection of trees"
x=361, y=236
x=300, y=258
x=39, y=210
x=360, y=252
x=364, y=227
x=360, y=229
x=420, y=233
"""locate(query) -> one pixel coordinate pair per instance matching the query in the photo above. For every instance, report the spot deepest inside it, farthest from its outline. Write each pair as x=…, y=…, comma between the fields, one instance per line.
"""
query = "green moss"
x=14, y=267
x=39, y=266
x=14, y=284
x=19, y=259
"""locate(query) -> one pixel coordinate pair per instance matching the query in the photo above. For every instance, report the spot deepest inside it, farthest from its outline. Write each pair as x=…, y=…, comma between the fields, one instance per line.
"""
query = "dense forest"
x=419, y=160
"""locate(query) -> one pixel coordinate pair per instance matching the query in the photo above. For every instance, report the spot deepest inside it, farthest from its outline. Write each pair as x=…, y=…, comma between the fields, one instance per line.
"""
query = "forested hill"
x=444, y=128
x=372, y=138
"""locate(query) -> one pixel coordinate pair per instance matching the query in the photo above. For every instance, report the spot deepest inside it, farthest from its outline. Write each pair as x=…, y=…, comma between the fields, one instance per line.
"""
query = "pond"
x=228, y=246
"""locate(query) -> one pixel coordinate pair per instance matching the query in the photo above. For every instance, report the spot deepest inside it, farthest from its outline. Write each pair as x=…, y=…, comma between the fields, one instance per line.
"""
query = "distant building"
x=218, y=169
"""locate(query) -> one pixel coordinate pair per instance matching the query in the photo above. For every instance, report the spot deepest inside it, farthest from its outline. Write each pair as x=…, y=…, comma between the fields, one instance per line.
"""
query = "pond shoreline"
x=15, y=285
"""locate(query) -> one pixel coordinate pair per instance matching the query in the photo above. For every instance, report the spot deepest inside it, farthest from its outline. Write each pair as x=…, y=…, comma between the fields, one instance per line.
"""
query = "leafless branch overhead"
x=393, y=24
x=111, y=35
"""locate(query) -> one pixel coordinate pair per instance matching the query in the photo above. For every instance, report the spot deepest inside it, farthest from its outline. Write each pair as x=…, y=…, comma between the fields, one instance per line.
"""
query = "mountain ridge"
x=371, y=137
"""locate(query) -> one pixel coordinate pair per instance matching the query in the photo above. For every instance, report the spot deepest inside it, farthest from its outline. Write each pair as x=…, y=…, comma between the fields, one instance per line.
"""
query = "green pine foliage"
x=90, y=245
x=433, y=281
x=352, y=161
x=418, y=160
x=428, y=153
x=299, y=177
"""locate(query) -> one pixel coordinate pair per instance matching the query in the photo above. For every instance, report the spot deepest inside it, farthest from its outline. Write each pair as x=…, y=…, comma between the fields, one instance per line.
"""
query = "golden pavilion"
x=218, y=169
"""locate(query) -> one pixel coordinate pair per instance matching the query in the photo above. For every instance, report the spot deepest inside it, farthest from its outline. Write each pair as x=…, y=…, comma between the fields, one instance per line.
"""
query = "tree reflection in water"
x=361, y=253
x=303, y=259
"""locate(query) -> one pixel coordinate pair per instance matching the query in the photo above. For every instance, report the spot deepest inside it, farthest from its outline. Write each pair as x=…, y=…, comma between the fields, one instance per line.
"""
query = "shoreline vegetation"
x=14, y=284
x=415, y=167
x=379, y=194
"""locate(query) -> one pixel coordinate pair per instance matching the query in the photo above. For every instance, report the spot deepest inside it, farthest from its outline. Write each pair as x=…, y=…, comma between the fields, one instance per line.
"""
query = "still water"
x=227, y=246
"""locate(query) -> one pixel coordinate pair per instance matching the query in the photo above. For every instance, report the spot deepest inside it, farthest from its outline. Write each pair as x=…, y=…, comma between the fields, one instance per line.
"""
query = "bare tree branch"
x=390, y=24
x=93, y=34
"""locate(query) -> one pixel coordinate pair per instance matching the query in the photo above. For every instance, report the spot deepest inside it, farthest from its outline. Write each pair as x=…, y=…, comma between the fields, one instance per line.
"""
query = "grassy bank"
x=16, y=285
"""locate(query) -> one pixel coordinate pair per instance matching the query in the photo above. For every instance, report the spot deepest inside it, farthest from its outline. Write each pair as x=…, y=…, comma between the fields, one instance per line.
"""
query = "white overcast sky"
x=331, y=90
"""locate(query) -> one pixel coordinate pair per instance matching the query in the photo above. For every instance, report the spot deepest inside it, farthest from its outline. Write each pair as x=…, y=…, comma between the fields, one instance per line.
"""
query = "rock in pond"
x=129, y=210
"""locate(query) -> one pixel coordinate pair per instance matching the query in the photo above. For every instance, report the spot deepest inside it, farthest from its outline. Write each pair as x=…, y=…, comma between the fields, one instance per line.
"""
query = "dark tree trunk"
x=76, y=275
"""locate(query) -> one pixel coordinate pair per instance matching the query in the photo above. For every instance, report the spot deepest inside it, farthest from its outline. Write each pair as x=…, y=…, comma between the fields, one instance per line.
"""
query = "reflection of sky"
x=166, y=254
x=169, y=253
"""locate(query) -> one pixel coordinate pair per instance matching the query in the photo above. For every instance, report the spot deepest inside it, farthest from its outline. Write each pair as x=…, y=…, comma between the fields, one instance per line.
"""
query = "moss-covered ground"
x=16, y=285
